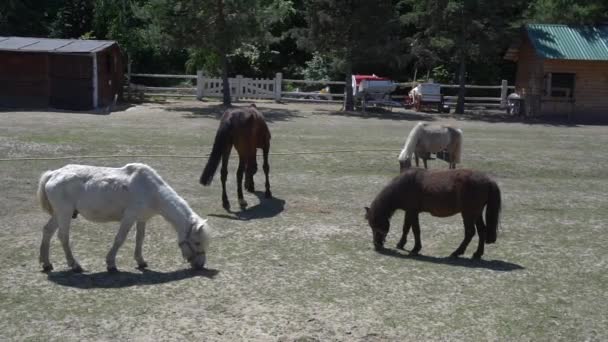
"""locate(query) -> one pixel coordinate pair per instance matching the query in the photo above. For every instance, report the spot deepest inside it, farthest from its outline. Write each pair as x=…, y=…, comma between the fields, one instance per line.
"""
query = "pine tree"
x=351, y=31
x=467, y=30
x=219, y=26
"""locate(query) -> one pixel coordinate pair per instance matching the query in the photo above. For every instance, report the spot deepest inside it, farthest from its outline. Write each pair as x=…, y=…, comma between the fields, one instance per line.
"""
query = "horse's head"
x=196, y=242
x=405, y=164
x=379, y=226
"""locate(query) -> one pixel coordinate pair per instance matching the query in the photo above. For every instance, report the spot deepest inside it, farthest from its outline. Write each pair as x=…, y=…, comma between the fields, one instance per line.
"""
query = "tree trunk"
x=221, y=23
x=463, y=66
x=349, y=102
x=461, y=82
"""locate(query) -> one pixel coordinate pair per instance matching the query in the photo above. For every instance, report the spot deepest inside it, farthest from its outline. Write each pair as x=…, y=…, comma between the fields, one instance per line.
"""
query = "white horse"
x=131, y=194
x=425, y=139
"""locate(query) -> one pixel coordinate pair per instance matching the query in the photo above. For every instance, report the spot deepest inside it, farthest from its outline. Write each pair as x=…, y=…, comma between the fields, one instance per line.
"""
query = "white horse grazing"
x=425, y=139
x=131, y=194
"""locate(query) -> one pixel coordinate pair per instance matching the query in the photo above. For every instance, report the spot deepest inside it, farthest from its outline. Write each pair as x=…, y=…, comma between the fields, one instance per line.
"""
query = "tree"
x=74, y=19
x=30, y=18
x=351, y=31
x=568, y=11
x=216, y=26
x=469, y=30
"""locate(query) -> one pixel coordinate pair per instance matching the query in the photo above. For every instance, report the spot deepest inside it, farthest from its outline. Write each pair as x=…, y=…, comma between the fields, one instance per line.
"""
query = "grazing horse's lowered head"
x=195, y=242
x=380, y=227
x=425, y=139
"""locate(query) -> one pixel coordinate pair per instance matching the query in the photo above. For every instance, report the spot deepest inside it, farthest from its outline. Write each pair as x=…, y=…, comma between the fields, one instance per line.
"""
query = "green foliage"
x=302, y=38
x=317, y=68
x=568, y=11
x=441, y=74
x=73, y=20
x=27, y=17
x=352, y=32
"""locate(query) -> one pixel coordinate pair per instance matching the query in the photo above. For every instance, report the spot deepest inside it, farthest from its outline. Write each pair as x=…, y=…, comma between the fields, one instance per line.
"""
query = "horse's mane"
x=387, y=200
x=165, y=190
x=411, y=141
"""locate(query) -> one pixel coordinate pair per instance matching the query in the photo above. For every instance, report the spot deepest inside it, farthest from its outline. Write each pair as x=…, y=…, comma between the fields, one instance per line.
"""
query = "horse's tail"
x=411, y=141
x=222, y=138
x=457, y=134
x=42, y=197
x=492, y=212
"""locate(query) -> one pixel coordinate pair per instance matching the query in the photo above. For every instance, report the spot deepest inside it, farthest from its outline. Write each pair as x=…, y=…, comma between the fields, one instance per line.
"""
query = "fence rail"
x=258, y=88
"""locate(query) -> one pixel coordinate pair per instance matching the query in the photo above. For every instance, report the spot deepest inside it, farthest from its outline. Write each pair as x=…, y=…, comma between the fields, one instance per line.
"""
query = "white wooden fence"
x=257, y=88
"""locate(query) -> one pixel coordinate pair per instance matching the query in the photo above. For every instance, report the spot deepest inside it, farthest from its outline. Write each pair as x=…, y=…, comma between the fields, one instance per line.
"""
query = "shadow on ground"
x=216, y=111
x=120, y=107
x=483, y=116
x=494, y=265
x=378, y=113
x=266, y=208
x=105, y=280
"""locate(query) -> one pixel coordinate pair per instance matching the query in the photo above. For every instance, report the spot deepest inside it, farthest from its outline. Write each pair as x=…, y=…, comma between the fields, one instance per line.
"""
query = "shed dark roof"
x=53, y=45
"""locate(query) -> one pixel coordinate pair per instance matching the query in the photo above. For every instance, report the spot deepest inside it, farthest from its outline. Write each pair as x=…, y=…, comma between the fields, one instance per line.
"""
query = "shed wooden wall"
x=71, y=81
x=24, y=79
x=590, y=88
x=529, y=69
x=110, y=75
x=590, y=85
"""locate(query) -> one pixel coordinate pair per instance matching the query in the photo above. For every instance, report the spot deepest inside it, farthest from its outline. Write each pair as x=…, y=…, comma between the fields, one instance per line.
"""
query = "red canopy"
x=359, y=78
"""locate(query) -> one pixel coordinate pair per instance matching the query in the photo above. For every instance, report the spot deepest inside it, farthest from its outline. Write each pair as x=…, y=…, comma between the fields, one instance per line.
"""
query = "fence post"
x=503, y=94
x=239, y=87
x=199, y=85
x=278, y=83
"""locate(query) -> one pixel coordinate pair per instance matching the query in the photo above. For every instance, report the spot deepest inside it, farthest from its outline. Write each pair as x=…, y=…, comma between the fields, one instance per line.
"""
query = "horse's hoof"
x=47, y=268
x=243, y=204
x=77, y=269
x=141, y=266
x=268, y=194
x=112, y=269
x=400, y=246
x=414, y=253
x=454, y=255
x=476, y=256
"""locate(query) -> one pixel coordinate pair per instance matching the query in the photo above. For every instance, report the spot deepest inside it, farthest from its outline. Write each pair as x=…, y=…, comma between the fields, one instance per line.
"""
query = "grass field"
x=301, y=266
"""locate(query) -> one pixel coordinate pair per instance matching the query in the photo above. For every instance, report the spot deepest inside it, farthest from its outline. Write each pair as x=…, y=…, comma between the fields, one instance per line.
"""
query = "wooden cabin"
x=563, y=70
x=59, y=73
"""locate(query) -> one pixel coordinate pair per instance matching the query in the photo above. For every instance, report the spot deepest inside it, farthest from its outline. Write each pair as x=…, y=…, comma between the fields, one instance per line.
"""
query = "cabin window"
x=559, y=85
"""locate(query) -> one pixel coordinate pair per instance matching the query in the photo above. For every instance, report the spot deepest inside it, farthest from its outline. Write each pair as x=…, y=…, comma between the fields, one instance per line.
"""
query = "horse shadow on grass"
x=378, y=113
x=216, y=111
x=266, y=208
x=105, y=280
x=494, y=265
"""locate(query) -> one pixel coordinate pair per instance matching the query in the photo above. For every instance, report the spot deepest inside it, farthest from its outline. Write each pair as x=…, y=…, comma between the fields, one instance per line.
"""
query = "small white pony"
x=425, y=139
x=131, y=194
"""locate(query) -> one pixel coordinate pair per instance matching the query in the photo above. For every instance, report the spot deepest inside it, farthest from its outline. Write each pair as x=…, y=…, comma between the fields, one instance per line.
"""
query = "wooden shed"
x=59, y=73
x=563, y=70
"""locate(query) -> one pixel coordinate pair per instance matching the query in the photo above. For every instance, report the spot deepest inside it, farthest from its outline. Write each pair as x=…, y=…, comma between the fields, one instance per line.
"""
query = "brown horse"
x=246, y=129
x=441, y=193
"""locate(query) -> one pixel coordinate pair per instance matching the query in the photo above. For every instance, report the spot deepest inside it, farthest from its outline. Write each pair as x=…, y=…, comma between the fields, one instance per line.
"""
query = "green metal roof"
x=569, y=42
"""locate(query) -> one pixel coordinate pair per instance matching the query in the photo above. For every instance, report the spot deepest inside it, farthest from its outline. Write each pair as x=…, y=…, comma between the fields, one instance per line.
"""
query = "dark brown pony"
x=246, y=129
x=441, y=193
